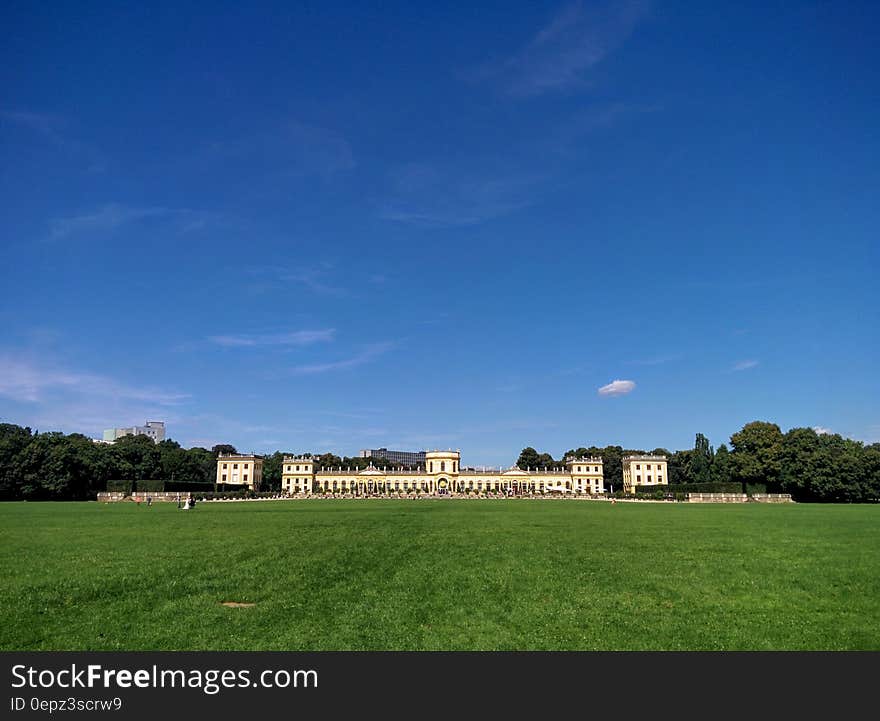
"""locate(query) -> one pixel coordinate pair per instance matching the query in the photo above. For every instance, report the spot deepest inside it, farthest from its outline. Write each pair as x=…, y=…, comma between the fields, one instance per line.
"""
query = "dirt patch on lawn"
x=236, y=604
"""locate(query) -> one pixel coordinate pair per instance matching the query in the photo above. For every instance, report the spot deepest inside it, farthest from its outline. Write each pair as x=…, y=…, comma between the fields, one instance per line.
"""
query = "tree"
x=757, y=454
x=200, y=466
x=680, y=467
x=327, y=460
x=172, y=460
x=225, y=449
x=528, y=458
x=13, y=440
x=701, y=460
x=136, y=457
x=721, y=465
x=273, y=468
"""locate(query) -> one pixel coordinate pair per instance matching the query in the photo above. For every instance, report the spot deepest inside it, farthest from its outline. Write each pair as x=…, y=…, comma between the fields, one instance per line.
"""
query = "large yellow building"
x=442, y=474
x=240, y=470
x=644, y=471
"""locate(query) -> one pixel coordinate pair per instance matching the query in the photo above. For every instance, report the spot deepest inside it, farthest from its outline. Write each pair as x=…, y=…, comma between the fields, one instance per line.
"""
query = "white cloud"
x=365, y=356
x=745, y=365
x=437, y=195
x=295, y=338
x=24, y=381
x=48, y=127
x=617, y=388
x=44, y=395
x=294, y=149
x=112, y=216
x=562, y=53
x=822, y=431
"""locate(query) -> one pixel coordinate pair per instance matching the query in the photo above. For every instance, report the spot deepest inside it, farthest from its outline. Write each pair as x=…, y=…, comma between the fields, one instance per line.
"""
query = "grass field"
x=439, y=574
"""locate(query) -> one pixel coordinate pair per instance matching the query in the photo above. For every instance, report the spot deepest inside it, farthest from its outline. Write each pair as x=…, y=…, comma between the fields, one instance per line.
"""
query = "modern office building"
x=442, y=474
x=644, y=471
x=407, y=458
x=240, y=470
x=153, y=429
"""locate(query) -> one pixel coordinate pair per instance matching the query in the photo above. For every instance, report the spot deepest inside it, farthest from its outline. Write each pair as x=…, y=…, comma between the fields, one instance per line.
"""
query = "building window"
x=245, y=477
x=223, y=479
x=297, y=468
x=638, y=479
x=235, y=465
x=442, y=466
x=432, y=466
x=224, y=466
x=288, y=469
x=638, y=467
x=659, y=479
x=579, y=469
x=597, y=469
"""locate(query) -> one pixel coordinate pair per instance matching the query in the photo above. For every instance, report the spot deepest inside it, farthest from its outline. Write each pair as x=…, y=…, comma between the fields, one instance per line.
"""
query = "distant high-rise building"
x=408, y=458
x=154, y=430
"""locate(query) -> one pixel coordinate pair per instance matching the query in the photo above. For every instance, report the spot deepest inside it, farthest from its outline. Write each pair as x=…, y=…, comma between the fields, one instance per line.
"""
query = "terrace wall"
x=738, y=498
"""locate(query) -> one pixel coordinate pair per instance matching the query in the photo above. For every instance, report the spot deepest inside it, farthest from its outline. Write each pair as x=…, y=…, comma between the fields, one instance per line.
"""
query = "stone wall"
x=142, y=496
x=738, y=498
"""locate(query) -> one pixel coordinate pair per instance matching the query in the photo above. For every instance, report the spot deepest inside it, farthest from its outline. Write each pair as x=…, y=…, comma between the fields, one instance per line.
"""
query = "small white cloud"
x=822, y=431
x=617, y=388
x=745, y=365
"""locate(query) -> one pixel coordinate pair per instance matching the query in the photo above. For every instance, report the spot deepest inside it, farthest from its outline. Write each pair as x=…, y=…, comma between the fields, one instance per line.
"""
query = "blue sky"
x=323, y=226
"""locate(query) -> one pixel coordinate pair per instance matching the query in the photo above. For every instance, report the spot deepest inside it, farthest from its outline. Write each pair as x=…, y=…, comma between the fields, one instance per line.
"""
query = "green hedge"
x=714, y=487
x=209, y=496
x=158, y=486
x=149, y=486
x=189, y=487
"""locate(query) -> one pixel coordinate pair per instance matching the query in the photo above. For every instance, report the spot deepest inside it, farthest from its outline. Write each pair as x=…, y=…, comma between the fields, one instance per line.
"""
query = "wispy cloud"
x=370, y=353
x=47, y=395
x=295, y=148
x=745, y=365
x=113, y=216
x=294, y=338
x=22, y=380
x=48, y=127
x=441, y=195
x=562, y=53
x=656, y=360
x=617, y=388
x=318, y=279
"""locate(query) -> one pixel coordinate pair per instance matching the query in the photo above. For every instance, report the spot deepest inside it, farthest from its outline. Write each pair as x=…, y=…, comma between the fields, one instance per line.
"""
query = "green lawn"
x=439, y=574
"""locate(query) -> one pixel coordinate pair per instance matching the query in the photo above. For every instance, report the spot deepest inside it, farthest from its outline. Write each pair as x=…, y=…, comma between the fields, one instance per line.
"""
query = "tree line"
x=56, y=466
x=809, y=465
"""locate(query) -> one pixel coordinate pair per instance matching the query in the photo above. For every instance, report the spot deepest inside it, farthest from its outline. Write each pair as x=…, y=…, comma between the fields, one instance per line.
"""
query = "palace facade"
x=240, y=470
x=442, y=474
x=641, y=471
